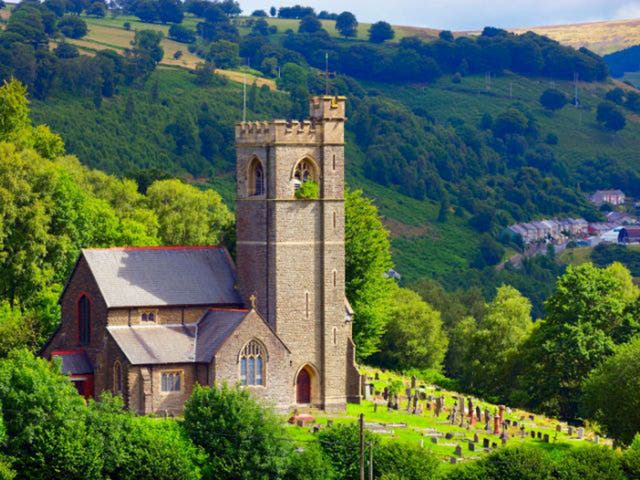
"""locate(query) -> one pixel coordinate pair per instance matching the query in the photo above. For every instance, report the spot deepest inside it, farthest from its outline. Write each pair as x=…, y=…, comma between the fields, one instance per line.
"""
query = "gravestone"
x=316, y=428
x=570, y=431
x=485, y=442
x=539, y=435
x=596, y=439
x=478, y=413
x=453, y=460
x=376, y=376
x=434, y=440
x=558, y=428
x=514, y=423
x=375, y=407
x=545, y=439
x=472, y=446
x=448, y=435
x=413, y=381
x=385, y=393
x=458, y=451
x=476, y=438
x=580, y=433
x=533, y=434
x=494, y=445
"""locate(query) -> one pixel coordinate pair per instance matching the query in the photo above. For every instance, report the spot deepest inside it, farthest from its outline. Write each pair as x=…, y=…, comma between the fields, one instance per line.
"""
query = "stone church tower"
x=290, y=250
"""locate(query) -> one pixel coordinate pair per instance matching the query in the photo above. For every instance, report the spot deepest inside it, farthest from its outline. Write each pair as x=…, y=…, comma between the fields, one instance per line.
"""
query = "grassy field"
x=109, y=33
x=404, y=426
x=601, y=37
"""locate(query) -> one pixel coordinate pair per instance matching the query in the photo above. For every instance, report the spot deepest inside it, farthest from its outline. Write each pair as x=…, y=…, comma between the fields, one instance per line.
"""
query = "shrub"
x=552, y=139
x=340, y=445
x=590, y=463
x=553, y=99
x=308, y=190
x=631, y=459
x=241, y=437
x=182, y=34
x=396, y=460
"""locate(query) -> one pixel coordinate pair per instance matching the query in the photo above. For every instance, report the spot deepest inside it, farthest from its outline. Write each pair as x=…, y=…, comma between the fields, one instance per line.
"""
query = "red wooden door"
x=303, y=387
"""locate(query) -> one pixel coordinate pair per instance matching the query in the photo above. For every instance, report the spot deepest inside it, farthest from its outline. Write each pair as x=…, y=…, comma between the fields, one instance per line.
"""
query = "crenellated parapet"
x=325, y=126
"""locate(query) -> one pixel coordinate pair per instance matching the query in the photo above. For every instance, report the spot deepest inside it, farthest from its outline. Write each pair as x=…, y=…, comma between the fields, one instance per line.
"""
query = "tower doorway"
x=303, y=387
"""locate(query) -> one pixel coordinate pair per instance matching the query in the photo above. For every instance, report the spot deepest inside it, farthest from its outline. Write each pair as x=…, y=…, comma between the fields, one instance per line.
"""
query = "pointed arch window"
x=84, y=320
x=304, y=172
x=252, y=364
x=256, y=178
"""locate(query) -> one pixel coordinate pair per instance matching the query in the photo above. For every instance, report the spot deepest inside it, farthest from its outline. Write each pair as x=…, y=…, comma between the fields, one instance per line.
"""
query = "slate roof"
x=74, y=362
x=162, y=276
x=189, y=343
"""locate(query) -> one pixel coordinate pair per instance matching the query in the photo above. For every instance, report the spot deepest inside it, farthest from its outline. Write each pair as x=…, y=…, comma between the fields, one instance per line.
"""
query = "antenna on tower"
x=244, y=97
x=327, y=74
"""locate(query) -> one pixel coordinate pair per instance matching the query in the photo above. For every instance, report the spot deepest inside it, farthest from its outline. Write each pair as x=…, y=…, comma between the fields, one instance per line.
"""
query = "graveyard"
x=456, y=428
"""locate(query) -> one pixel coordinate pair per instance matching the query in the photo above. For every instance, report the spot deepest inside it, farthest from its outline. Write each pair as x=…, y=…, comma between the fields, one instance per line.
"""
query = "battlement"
x=323, y=110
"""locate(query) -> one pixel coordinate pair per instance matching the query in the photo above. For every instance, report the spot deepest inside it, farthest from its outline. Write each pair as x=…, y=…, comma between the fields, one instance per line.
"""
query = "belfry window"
x=304, y=172
x=256, y=178
x=252, y=363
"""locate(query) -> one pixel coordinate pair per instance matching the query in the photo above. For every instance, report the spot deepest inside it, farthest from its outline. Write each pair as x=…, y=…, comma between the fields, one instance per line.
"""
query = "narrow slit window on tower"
x=335, y=219
x=335, y=336
x=334, y=161
x=335, y=278
x=306, y=298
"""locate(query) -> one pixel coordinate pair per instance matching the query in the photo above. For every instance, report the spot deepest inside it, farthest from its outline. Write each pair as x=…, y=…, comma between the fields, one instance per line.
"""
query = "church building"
x=149, y=323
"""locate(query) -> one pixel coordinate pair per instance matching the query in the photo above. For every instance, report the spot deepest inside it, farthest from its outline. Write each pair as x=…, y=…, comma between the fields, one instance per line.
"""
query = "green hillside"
x=106, y=139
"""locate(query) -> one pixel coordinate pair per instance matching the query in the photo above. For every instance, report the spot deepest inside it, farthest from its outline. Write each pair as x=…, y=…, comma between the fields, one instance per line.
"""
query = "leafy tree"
x=45, y=421
x=66, y=50
x=309, y=24
x=553, y=99
x=492, y=345
x=446, y=35
x=72, y=26
x=146, y=11
x=347, y=25
x=510, y=122
x=148, y=42
x=414, y=336
x=380, y=32
x=259, y=13
x=610, y=117
x=224, y=54
x=241, y=437
x=368, y=257
x=97, y=9
x=491, y=252
x=589, y=313
x=273, y=11
x=610, y=393
x=58, y=7
x=260, y=27
x=187, y=215
x=170, y=11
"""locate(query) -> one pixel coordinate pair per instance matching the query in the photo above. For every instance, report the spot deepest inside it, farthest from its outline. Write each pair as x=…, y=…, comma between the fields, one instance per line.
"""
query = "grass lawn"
x=419, y=427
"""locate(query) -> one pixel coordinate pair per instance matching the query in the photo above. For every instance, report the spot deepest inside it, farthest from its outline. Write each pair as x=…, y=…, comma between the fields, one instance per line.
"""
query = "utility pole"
x=362, y=446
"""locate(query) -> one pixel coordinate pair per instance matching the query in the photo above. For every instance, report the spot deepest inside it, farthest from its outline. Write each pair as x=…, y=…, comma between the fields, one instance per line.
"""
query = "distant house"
x=629, y=235
x=579, y=226
x=614, y=197
x=620, y=218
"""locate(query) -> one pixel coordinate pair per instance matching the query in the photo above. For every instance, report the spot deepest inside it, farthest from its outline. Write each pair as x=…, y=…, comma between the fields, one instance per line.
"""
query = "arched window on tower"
x=304, y=172
x=252, y=364
x=256, y=178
